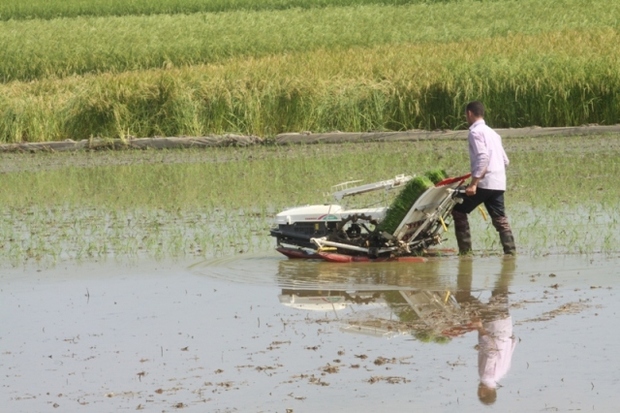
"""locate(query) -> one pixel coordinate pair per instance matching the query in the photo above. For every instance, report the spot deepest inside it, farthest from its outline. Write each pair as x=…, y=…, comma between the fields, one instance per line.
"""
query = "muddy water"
x=259, y=333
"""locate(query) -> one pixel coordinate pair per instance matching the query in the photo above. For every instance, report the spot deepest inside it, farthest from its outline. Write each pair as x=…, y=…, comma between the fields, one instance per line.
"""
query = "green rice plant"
x=354, y=90
x=271, y=177
x=35, y=49
x=403, y=202
x=436, y=175
x=43, y=9
x=208, y=203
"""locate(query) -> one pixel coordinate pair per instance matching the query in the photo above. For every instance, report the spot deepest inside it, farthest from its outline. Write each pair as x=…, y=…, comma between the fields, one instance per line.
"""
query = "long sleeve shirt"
x=487, y=156
x=495, y=351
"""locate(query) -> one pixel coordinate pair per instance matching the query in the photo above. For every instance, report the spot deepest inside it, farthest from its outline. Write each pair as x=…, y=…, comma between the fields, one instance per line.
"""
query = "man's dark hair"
x=476, y=107
x=487, y=397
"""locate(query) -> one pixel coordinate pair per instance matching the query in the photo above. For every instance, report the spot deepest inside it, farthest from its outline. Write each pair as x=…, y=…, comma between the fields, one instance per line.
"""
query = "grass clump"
x=436, y=175
x=403, y=202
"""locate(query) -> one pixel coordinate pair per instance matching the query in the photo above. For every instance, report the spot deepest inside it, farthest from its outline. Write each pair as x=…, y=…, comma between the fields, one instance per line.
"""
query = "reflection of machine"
x=337, y=234
x=382, y=300
x=324, y=300
x=439, y=310
x=428, y=315
x=390, y=299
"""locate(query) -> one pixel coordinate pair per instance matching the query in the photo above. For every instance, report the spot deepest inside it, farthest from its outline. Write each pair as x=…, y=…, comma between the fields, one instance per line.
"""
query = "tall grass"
x=44, y=9
x=33, y=49
x=553, y=79
x=368, y=67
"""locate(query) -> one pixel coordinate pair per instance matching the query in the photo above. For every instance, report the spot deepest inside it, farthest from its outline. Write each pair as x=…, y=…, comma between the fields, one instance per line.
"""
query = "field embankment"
x=194, y=142
x=105, y=69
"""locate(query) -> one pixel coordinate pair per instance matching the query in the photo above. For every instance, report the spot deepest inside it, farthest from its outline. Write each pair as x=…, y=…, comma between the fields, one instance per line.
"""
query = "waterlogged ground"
x=95, y=316
x=259, y=333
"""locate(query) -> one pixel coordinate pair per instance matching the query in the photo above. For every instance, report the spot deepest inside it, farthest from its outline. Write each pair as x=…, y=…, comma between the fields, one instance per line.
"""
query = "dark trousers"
x=493, y=201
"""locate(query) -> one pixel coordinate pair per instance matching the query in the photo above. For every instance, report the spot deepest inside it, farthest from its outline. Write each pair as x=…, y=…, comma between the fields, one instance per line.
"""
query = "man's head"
x=474, y=111
x=486, y=395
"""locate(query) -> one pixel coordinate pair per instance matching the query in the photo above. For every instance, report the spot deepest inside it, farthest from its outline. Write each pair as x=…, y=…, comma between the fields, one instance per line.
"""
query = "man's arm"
x=480, y=160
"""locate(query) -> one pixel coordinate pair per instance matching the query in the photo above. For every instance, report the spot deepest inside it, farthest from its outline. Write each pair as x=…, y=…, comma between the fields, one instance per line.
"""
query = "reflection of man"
x=496, y=342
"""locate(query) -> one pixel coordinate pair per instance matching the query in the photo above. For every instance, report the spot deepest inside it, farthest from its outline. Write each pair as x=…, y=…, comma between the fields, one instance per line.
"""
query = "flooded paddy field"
x=260, y=333
x=148, y=281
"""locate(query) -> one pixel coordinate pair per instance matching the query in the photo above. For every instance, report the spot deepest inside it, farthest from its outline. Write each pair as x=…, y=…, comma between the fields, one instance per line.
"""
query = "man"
x=488, y=182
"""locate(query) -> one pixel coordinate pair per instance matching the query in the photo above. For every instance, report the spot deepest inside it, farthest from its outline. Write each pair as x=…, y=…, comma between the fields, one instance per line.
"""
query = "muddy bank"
x=419, y=135
x=293, y=138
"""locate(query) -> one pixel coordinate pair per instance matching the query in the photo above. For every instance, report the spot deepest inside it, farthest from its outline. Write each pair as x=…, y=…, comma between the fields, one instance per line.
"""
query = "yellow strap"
x=443, y=224
x=484, y=214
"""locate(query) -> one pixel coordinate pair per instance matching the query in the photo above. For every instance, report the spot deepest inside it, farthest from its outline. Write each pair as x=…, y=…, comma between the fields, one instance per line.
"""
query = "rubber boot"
x=508, y=242
x=505, y=235
x=462, y=232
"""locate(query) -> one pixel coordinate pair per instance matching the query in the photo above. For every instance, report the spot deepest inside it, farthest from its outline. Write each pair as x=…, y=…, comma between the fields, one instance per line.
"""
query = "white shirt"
x=487, y=156
x=495, y=351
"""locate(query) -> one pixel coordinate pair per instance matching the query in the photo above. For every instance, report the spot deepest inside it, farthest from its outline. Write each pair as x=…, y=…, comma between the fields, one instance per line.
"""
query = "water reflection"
x=424, y=302
x=496, y=341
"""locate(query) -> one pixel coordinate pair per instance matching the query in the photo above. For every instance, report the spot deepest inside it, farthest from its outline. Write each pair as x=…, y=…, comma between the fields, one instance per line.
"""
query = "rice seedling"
x=400, y=206
x=407, y=197
x=220, y=202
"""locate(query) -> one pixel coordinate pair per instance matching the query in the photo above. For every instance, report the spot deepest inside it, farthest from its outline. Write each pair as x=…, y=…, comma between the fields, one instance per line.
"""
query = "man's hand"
x=473, y=186
x=471, y=189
